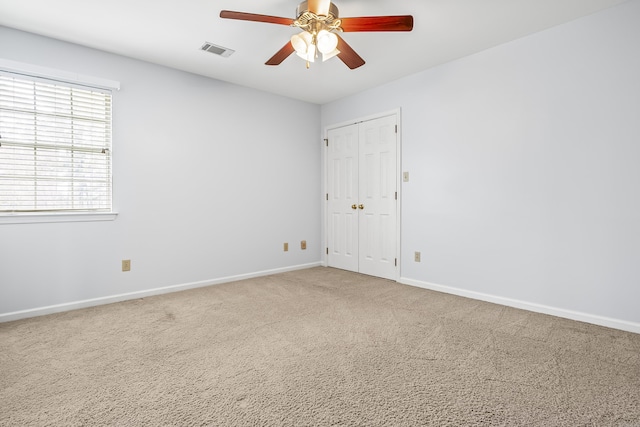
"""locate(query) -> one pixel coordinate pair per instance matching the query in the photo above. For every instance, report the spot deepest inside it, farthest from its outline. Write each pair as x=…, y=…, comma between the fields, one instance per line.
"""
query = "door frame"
x=325, y=235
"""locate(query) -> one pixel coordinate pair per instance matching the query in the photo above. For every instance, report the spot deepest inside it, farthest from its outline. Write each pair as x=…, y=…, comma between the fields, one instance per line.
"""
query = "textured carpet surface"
x=315, y=347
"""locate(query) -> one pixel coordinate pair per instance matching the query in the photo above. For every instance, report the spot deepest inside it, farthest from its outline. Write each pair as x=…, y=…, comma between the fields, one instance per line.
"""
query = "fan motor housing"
x=304, y=8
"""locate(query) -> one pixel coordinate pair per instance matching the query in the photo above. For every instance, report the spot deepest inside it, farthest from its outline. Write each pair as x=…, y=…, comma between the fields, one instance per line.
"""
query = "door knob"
x=361, y=206
x=354, y=207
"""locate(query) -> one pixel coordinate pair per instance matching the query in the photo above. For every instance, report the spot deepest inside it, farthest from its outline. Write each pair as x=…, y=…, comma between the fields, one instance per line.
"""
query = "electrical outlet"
x=126, y=265
x=303, y=245
x=416, y=257
x=286, y=247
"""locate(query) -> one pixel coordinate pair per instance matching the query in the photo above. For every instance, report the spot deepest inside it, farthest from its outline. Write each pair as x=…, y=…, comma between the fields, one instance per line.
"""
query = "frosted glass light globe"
x=327, y=41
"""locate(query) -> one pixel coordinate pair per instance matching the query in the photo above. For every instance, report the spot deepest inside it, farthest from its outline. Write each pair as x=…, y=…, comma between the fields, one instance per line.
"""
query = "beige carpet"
x=315, y=347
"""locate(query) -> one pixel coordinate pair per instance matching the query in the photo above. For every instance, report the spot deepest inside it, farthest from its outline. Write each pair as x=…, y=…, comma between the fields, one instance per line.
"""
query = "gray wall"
x=210, y=179
x=524, y=170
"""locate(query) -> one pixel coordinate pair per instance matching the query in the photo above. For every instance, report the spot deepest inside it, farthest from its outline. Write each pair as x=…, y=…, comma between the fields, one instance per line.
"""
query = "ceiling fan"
x=320, y=22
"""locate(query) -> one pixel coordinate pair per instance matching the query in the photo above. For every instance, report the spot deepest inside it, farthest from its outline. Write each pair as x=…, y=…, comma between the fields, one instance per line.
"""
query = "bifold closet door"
x=362, y=197
x=343, y=196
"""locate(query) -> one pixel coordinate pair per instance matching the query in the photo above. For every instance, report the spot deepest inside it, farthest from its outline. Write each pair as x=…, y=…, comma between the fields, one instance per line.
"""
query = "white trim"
x=41, y=311
x=325, y=202
x=60, y=75
x=399, y=183
x=393, y=112
x=537, y=308
x=41, y=217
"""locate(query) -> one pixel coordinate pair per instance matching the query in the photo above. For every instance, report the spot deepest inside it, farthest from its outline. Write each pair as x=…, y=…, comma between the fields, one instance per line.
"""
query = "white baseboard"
x=537, y=308
x=41, y=311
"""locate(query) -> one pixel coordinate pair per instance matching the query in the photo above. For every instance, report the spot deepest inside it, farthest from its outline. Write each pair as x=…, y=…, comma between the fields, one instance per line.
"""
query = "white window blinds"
x=55, y=146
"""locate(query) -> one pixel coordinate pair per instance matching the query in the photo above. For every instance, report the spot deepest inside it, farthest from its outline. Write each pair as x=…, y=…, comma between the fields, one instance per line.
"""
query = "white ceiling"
x=170, y=32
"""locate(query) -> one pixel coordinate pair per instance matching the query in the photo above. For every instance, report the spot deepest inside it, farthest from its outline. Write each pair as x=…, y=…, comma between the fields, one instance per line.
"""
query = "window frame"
x=72, y=79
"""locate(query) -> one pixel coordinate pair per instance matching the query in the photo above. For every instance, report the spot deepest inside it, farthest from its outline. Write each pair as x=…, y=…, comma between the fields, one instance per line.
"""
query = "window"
x=55, y=146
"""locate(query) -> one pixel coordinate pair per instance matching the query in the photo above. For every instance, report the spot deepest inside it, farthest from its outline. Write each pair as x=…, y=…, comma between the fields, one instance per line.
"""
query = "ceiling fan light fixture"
x=309, y=55
x=327, y=41
x=298, y=43
x=303, y=45
x=327, y=56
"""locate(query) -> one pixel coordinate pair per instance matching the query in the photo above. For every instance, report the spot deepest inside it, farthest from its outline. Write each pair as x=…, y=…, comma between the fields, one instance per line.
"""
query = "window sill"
x=31, y=218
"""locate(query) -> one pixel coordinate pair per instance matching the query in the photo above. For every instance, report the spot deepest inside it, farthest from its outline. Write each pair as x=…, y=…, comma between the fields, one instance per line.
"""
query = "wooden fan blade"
x=319, y=7
x=377, y=23
x=243, y=16
x=281, y=55
x=349, y=56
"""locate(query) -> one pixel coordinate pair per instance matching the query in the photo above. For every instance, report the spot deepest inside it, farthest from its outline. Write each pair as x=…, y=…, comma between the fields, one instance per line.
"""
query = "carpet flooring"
x=316, y=347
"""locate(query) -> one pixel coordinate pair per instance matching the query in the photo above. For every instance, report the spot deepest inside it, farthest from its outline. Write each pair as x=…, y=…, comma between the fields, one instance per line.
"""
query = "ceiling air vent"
x=218, y=50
